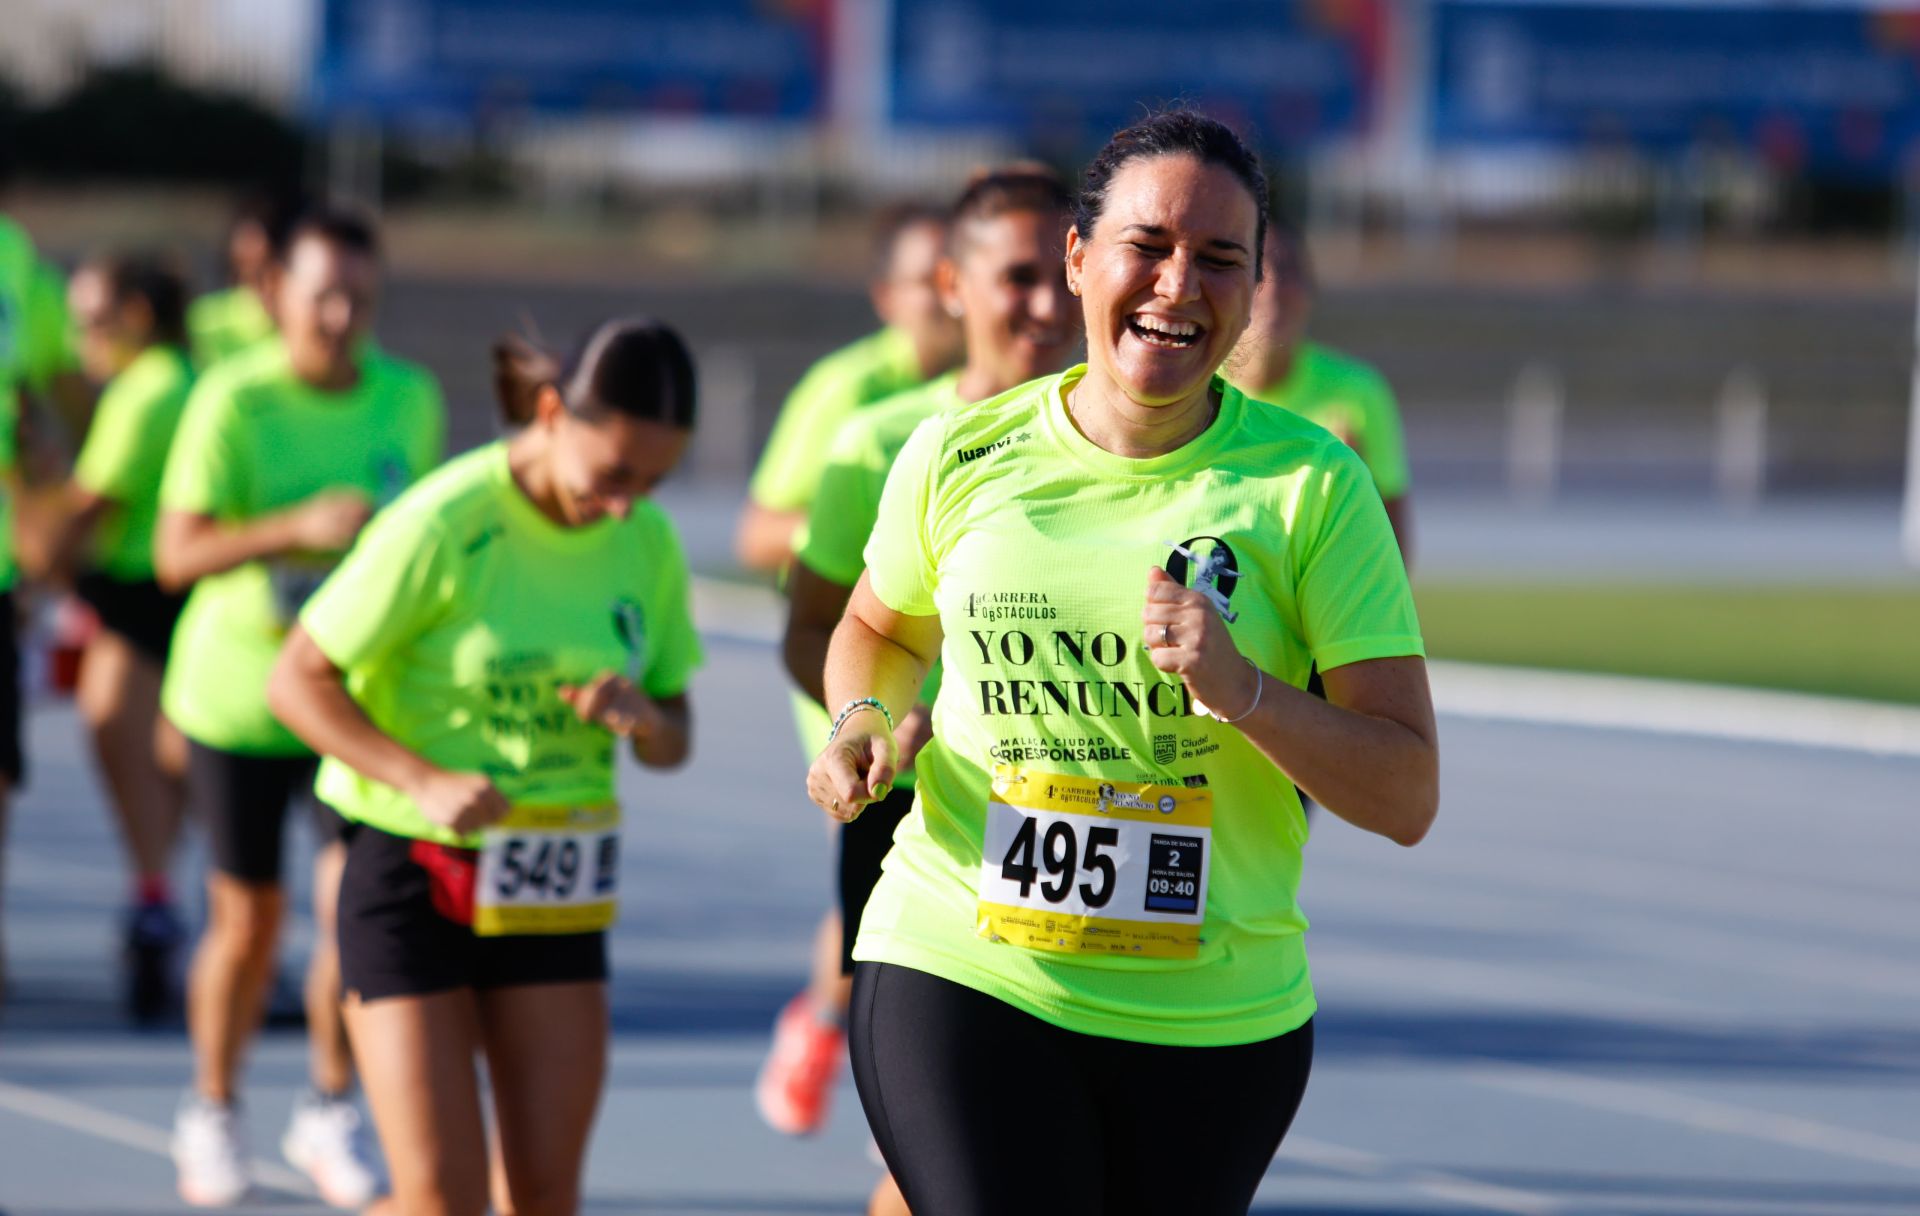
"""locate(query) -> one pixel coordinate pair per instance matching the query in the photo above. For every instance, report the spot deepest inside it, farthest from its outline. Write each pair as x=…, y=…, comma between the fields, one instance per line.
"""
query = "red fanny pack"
x=451, y=872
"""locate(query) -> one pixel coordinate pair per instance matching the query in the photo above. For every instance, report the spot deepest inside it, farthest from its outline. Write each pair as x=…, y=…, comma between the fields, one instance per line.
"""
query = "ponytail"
x=520, y=371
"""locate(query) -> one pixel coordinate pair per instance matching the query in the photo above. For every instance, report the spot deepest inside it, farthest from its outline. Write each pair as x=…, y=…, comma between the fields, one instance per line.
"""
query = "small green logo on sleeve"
x=629, y=625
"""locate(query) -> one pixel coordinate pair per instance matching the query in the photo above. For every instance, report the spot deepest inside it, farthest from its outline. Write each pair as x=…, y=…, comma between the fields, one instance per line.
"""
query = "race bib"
x=1077, y=865
x=549, y=869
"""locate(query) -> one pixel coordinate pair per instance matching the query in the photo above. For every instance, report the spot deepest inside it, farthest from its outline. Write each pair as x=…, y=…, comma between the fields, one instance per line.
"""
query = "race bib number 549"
x=1078, y=865
x=549, y=869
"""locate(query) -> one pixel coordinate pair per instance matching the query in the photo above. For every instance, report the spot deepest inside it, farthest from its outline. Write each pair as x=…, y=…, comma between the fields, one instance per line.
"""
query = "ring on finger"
x=1166, y=635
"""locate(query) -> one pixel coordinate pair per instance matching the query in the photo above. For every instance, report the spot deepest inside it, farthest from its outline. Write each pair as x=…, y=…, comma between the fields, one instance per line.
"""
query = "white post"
x=721, y=442
x=1534, y=416
x=1740, y=440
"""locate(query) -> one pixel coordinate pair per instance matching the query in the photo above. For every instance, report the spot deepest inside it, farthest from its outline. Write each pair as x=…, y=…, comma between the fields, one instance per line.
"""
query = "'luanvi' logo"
x=1207, y=565
x=969, y=455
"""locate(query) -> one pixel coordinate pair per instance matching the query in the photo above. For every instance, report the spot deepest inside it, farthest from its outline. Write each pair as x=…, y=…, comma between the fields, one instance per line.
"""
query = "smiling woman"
x=1098, y=878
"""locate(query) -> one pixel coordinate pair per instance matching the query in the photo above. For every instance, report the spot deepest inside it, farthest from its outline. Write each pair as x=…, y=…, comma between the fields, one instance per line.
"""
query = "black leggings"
x=982, y=1109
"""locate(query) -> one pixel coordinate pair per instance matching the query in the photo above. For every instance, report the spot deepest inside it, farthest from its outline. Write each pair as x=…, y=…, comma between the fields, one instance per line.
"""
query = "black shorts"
x=138, y=611
x=401, y=932
x=243, y=800
x=944, y=1072
x=13, y=761
x=864, y=844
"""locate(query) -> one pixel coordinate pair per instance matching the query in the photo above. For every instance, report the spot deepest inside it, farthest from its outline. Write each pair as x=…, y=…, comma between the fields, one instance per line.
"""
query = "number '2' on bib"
x=1081, y=865
x=549, y=869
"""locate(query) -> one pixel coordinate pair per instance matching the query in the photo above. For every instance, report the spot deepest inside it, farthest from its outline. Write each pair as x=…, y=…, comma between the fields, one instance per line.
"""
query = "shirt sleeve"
x=206, y=471
x=846, y=506
x=673, y=647
x=1352, y=588
x=430, y=444
x=901, y=564
x=1384, y=439
x=388, y=590
x=111, y=458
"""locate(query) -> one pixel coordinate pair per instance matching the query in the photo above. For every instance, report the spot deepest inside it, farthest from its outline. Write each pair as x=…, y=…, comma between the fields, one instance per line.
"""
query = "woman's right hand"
x=856, y=768
x=462, y=802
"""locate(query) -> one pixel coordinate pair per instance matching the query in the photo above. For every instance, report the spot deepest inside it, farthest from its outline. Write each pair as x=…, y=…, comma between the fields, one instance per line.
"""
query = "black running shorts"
x=402, y=934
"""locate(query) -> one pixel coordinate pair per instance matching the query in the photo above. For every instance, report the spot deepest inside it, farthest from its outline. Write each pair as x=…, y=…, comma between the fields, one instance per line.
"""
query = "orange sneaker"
x=796, y=1082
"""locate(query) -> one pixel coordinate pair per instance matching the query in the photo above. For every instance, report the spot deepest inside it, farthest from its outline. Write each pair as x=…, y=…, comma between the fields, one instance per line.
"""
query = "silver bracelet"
x=854, y=706
x=1259, y=686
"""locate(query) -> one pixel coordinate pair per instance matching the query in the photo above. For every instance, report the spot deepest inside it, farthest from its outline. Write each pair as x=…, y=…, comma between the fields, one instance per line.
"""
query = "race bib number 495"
x=1077, y=865
x=549, y=869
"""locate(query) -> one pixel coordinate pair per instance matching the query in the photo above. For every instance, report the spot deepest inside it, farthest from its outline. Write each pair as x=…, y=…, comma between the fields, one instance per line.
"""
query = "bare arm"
x=306, y=692
x=54, y=533
x=763, y=540
x=661, y=730
x=879, y=653
x=1369, y=753
x=814, y=608
x=189, y=546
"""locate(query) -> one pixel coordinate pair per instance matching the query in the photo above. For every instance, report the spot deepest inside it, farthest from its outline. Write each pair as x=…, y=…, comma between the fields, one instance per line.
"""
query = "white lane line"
x=1701, y=1114
x=1674, y=707
x=751, y=613
x=118, y=1129
x=1436, y=1184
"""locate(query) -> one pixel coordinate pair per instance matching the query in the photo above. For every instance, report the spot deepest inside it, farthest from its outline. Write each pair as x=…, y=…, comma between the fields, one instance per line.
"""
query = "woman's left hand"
x=1185, y=636
x=611, y=701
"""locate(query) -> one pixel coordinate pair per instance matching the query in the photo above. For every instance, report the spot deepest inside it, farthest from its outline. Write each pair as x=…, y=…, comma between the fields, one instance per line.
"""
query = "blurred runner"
x=283, y=453
x=18, y=263
x=1278, y=364
x=466, y=672
x=224, y=322
x=130, y=316
x=1004, y=278
x=51, y=368
x=1081, y=984
x=920, y=340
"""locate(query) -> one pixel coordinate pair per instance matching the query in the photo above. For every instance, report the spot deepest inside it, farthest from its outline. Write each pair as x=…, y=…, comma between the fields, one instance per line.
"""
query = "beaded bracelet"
x=1259, y=686
x=854, y=706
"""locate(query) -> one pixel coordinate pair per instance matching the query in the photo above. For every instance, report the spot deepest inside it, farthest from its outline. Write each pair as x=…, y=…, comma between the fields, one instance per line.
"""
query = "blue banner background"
x=1820, y=88
x=1068, y=72
x=454, y=60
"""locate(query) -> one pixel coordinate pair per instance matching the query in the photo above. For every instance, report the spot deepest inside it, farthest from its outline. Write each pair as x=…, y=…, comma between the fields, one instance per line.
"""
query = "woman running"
x=466, y=673
x=1081, y=986
x=283, y=453
x=130, y=316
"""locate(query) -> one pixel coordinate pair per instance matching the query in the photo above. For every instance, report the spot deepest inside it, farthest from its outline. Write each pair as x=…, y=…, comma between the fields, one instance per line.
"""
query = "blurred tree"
x=136, y=123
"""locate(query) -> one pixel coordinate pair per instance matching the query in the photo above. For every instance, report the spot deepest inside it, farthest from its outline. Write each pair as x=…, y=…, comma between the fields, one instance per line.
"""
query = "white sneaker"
x=210, y=1152
x=327, y=1141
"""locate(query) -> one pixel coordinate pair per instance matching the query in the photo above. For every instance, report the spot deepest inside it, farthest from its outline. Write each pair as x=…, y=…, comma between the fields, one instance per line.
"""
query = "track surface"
x=1627, y=974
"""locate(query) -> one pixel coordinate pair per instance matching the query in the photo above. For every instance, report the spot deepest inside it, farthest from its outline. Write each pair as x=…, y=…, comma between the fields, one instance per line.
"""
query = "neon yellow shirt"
x=126, y=453
x=1032, y=545
x=460, y=610
x=875, y=367
x=1353, y=401
x=255, y=440
x=18, y=266
x=48, y=350
x=843, y=513
x=222, y=323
